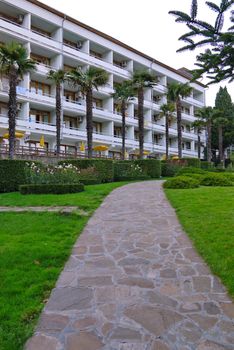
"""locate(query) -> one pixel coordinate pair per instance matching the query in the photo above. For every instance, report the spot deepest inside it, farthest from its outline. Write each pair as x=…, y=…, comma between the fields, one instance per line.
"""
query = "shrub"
x=12, y=174
x=216, y=180
x=150, y=167
x=198, y=177
x=181, y=182
x=51, y=188
x=190, y=170
x=103, y=167
x=127, y=170
x=49, y=174
x=193, y=162
x=88, y=176
x=206, y=165
x=170, y=167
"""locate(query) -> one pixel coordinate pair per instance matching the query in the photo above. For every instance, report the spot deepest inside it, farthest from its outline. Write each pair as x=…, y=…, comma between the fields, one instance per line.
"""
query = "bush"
x=170, y=167
x=51, y=189
x=128, y=170
x=198, y=177
x=206, y=165
x=49, y=174
x=190, y=170
x=150, y=167
x=88, y=176
x=181, y=182
x=193, y=162
x=12, y=174
x=103, y=167
x=216, y=180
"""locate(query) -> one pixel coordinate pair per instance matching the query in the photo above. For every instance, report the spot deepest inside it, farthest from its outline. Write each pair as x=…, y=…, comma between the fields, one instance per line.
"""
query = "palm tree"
x=14, y=62
x=123, y=93
x=58, y=77
x=176, y=92
x=88, y=80
x=141, y=80
x=167, y=111
x=205, y=116
x=199, y=125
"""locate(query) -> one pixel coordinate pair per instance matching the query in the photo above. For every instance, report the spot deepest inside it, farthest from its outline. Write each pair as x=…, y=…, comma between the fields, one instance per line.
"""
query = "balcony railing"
x=11, y=21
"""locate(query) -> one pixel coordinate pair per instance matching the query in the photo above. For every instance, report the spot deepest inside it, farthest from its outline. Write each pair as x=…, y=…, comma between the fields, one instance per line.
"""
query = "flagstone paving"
x=134, y=282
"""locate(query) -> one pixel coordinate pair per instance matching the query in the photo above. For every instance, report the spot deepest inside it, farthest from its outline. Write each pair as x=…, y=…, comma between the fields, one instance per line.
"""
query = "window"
x=36, y=144
x=187, y=127
x=41, y=31
x=42, y=117
x=118, y=131
x=40, y=59
x=70, y=122
x=97, y=103
x=3, y=108
x=70, y=96
x=96, y=54
x=39, y=88
x=188, y=145
x=97, y=127
x=69, y=43
x=67, y=149
x=136, y=135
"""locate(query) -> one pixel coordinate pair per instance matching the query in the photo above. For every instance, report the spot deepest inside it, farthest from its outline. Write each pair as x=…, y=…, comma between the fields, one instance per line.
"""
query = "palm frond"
x=194, y=9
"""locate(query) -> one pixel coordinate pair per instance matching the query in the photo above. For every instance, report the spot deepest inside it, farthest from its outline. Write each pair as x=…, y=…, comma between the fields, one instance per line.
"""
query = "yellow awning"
x=100, y=148
x=18, y=135
x=42, y=141
x=82, y=147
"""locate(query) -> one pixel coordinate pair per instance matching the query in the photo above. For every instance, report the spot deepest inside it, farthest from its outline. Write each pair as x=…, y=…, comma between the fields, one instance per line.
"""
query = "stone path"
x=134, y=282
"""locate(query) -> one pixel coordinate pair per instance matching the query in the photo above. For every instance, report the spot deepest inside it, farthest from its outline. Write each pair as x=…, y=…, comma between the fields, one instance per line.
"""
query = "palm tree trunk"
x=198, y=145
x=179, y=127
x=209, y=153
x=12, y=110
x=89, y=121
x=141, y=121
x=167, y=136
x=123, y=112
x=220, y=131
x=58, y=117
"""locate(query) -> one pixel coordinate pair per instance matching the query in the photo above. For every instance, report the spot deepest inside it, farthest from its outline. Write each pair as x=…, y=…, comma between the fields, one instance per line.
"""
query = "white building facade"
x=56, y=41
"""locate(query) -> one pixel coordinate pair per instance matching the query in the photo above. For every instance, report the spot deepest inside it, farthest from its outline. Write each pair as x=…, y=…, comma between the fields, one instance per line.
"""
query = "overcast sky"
x=144, y=25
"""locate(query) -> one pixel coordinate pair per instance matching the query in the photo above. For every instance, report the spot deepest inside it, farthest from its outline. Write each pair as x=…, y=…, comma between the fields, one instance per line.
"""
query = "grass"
x=207, y=215
x=87, y=200
x=33, y=250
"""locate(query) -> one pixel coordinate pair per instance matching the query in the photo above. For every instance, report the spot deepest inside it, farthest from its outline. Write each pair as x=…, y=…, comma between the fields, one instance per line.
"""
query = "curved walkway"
x=134, y=282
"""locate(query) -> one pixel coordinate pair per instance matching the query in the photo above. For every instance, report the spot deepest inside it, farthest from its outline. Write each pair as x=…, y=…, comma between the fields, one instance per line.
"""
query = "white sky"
x=144, y=25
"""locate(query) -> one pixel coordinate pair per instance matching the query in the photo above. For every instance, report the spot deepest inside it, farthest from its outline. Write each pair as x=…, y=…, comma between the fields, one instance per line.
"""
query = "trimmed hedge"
x=194, y=162
x=169, y=167
x=12, y=174
x=103, y=167
x=181, y=182
x=127, y=170
x=51, y=189
x=206, y=165
x=151, y=167
x=190, y=170
x=216, y=180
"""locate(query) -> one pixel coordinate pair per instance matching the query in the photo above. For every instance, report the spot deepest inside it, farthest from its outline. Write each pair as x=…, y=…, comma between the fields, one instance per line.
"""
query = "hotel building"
x=56, y=41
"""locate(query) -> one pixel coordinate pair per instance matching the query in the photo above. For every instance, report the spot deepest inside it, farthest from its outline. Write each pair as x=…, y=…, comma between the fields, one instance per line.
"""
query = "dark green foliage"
x=170, y=167
x=51, y=189
x=198, y=177
x=217, y=61
x=128, y=170
x=190, y=170
x=181, y=182
x=151, y=167
x=193, y=162
x=216, y=180
x=12, y=174
x=206, y=165
x=103, y=167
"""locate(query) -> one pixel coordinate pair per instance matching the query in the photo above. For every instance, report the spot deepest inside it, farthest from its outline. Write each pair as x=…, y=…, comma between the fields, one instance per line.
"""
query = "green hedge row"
x=103, y=167
x=51, y=189
x=12, y=174
x=127, y=170
x=194, y=162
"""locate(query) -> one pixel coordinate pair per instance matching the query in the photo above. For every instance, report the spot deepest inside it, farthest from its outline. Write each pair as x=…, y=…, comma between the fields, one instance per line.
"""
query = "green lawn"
x=87, y=200
x=207, y=215
x=33, y=250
